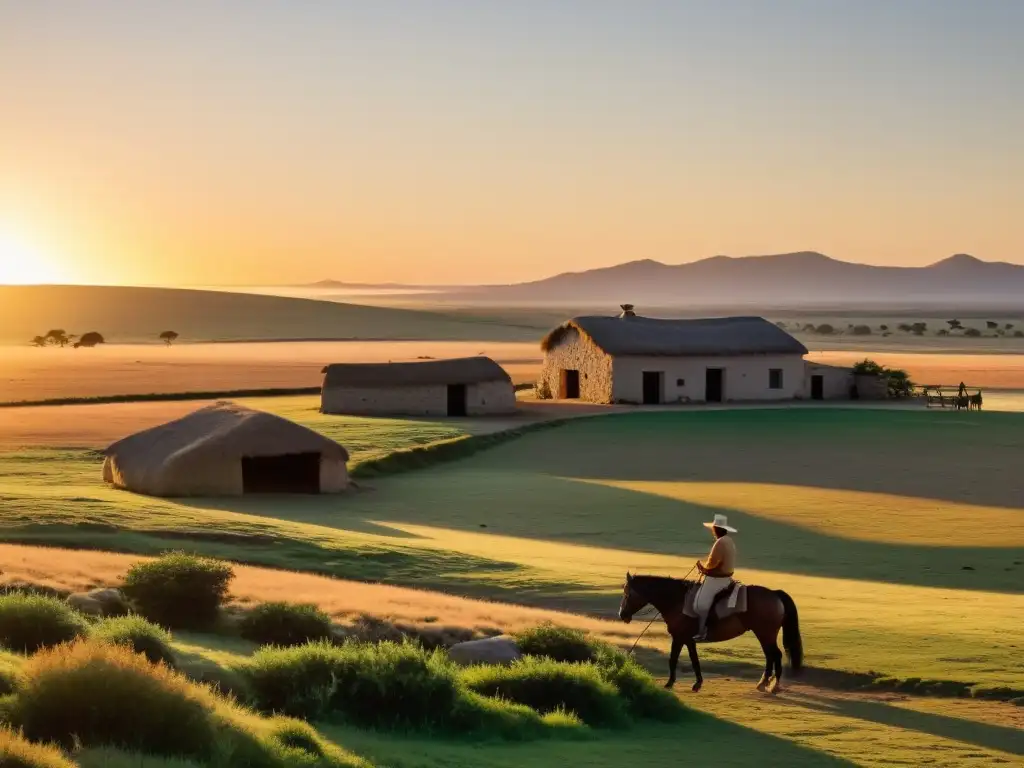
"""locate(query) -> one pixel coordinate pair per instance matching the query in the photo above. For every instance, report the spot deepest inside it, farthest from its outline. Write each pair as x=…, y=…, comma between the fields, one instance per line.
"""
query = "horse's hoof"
x=762, y=686
x=696, y=687
x=775, y=689
x=670, y=683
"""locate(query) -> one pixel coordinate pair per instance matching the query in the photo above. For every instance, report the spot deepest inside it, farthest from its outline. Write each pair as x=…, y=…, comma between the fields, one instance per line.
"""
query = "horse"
x=975, y=402
x=768, y=611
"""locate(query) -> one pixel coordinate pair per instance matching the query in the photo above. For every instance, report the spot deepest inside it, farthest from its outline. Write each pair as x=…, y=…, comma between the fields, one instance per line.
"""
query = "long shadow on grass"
x=540, y=506
x=699, y=740
x=965, y=458
x=997, y=737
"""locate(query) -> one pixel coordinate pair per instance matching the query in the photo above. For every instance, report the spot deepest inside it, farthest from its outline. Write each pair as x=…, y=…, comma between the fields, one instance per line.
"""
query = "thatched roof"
x=648, y=336
x=222, y=430
x=463, y=370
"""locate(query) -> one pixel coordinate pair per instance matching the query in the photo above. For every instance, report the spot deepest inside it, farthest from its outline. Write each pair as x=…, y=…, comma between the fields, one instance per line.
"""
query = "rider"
x=717, y=570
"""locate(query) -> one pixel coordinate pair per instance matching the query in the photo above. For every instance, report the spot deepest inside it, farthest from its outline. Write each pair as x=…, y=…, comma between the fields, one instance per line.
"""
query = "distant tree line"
x=58, y=337
x=993, y=328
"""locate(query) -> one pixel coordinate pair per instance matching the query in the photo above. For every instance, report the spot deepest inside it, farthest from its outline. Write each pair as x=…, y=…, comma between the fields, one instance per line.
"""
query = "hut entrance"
x=570, y=385
x=714, y=381
x=817, y=387
x=652, y=387
x=287, y=473
x=456, y=399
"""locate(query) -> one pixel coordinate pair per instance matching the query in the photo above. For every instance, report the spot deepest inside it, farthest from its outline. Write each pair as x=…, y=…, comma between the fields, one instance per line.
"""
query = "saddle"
x=729, y=602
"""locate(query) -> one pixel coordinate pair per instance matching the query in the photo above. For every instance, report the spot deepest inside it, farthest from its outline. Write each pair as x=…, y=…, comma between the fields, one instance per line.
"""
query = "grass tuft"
x=18, y=752
x=179, y=590
x=30, y=622
x=285, y=624
x=137, y=633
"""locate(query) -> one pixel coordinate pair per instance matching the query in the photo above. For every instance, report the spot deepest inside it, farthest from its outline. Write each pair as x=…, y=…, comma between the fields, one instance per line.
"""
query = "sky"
x=255, y=142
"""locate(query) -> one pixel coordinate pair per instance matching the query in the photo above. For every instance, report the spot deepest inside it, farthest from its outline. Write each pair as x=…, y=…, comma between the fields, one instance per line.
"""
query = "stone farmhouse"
x=642, y=360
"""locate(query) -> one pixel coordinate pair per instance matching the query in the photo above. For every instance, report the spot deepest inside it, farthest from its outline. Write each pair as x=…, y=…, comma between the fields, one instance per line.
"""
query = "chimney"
x=627, y=310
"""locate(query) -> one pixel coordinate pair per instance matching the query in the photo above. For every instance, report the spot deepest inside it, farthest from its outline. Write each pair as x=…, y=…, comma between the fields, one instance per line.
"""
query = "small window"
x=775, y=378
x=680, y=382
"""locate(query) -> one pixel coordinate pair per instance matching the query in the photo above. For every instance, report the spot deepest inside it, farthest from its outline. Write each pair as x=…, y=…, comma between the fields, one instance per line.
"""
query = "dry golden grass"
x=345, y=601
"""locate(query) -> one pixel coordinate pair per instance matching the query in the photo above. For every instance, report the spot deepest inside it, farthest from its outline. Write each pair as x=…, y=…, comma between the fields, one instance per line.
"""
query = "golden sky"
x=256, y=142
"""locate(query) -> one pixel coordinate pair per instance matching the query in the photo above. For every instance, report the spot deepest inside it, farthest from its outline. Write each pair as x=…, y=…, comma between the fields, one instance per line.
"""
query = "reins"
x=656, y=615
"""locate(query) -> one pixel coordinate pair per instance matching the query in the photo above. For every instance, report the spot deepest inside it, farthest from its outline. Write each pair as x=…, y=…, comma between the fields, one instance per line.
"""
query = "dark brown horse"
x=768, y=611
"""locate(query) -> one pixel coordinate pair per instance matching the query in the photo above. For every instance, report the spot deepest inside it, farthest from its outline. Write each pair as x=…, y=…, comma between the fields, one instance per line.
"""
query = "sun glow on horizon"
x=23, y=263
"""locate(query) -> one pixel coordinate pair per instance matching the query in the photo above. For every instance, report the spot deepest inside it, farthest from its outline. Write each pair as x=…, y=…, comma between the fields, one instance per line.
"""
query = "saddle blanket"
x=728, y=602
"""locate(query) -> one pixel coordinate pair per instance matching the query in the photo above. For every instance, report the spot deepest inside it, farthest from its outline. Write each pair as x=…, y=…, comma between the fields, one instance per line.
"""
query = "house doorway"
x=287, y=473
x=652, y=387
x=817, y=387
x=456, y=399
x=714, y=385
x=570, y=385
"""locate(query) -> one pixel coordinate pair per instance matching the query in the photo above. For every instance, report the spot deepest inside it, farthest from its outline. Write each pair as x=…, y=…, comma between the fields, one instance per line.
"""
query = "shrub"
x=972, y=332
x=386, y=685
x=825, y=329
x=861, y=330
x=141, y=636
x=551, y=686
x=31, y=622
x=556, y=643
x=98, y=694
x=179, y=590
x=285, y=624
x=18, y=752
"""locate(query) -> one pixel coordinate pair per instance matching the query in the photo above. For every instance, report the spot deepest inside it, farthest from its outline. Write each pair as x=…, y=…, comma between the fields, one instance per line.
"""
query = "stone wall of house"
x=836, y=381
x=333, y=475
x=492, y=397
x=575, y=352
x=684, y=378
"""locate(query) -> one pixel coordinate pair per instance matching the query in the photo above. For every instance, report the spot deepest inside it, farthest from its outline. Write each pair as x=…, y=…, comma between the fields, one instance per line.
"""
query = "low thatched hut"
x=226, y=449
x=635, y=359
x=468, y=386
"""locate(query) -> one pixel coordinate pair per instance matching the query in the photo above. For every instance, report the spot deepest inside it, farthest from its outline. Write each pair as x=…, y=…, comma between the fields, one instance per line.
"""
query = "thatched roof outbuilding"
x=712, y=337
x=223, y=449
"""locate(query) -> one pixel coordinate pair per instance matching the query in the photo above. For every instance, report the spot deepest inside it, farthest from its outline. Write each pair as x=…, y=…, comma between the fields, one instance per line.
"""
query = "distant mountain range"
x=804, y=279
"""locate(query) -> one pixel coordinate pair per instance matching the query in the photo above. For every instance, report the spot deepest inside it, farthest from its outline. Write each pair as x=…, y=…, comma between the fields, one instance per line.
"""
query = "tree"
x=954, y=325
x=918, y=329
x=861, y=330
x=943, y=332
x=59, y=337
x=905, y=327
x=897, y=381
x=825, y=329
x=972, y=332
x=991, y=325
x=38, y=341
x=89, y=340
x=1008, y=326
x=168, y=337
x=883, y=328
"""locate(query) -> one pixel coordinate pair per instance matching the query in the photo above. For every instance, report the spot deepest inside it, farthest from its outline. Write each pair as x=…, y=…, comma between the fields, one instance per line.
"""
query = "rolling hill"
x=125, y=314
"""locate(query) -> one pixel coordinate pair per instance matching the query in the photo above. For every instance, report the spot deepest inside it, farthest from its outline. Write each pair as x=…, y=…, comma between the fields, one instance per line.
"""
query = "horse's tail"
x=791, y=639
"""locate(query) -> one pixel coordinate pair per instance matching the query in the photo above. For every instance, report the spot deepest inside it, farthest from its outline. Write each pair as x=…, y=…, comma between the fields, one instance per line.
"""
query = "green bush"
x=385, y=685
x=285, y=624
x=18, y=752
x=551, y=686
x=97, y=695
x=31, y=622
x=179, y=590
x=137, y=633
x=555, y=643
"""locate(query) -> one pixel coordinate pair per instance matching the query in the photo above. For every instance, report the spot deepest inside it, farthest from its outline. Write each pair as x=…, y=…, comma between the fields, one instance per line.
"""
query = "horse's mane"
x=662, y=587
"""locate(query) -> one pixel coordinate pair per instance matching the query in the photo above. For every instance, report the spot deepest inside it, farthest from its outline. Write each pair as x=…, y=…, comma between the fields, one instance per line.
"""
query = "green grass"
x=898, y=533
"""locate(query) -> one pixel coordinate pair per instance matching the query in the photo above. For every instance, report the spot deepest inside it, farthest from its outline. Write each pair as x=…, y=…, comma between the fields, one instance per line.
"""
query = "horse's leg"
x=777, y=683
x=673, y=659
x=691, y=646
x=769, y=659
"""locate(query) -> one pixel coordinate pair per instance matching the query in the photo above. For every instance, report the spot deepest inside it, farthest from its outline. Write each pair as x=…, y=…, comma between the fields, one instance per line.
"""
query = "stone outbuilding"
x=467, y=386
x=226, y=449
x=642, y=360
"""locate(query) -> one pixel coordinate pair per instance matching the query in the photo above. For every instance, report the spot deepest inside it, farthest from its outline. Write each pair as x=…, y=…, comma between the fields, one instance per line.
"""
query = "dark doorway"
x=456, y=399
x=714, y=384
x=570, y=385
x=652, y=387
x=287, y=473
x=817, y=387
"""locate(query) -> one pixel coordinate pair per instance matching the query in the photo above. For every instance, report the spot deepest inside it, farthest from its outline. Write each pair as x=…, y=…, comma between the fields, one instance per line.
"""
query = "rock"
x=100, y=602
x=492, y=650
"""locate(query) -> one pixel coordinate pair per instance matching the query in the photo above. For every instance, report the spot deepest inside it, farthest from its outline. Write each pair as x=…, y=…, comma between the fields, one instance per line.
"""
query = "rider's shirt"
x=721, y=559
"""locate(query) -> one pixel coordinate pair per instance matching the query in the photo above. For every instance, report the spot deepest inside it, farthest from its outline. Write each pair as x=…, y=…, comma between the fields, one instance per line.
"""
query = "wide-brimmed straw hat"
x=720, y=521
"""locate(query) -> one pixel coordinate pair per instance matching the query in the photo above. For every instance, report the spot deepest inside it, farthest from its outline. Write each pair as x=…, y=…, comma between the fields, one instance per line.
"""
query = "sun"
x=23, y=264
